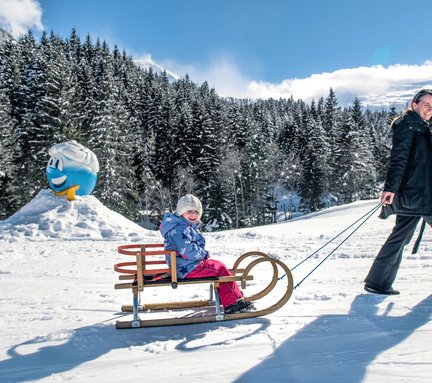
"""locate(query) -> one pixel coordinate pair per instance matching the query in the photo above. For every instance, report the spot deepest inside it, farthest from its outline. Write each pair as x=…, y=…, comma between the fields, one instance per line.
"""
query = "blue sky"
x=255, y=48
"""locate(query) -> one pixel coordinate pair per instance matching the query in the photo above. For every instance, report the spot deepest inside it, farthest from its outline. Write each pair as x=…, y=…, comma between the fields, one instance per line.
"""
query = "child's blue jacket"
x=186, y=239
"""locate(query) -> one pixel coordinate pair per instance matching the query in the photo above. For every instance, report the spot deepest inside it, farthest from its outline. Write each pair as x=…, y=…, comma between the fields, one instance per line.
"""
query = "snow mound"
x=50, y=217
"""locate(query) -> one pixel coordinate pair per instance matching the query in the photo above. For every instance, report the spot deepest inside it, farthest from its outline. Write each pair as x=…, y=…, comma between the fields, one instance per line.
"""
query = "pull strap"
x=419, y=238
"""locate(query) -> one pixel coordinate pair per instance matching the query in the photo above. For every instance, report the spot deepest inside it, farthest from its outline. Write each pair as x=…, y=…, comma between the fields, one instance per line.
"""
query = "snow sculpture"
x=72, y=169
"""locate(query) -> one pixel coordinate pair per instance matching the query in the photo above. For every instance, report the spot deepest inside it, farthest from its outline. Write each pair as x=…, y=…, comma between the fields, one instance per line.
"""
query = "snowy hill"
x=58, y=305
x=50, y=217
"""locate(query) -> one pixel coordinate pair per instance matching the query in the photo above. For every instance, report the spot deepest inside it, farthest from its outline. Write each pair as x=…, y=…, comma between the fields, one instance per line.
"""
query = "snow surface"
x=59, y=307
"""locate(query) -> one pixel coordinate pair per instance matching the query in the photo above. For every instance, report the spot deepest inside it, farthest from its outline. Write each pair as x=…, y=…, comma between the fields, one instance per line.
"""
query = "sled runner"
x=149, y=270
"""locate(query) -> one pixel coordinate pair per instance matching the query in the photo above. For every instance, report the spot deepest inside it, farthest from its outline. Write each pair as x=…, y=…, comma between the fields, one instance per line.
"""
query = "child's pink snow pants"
x=229, y=292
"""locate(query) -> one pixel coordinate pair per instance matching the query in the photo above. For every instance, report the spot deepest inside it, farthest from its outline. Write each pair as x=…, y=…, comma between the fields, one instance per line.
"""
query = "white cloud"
x=17, y=16
x=375, y=86
x=220, y=73
x=391, y=84
x=225, y=77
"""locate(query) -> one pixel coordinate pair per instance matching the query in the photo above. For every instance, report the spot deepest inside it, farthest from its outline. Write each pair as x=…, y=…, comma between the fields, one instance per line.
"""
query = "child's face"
x=192, y=216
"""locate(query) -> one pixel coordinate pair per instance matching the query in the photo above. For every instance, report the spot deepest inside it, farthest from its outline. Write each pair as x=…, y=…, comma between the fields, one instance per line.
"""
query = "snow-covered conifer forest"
x=157, y=138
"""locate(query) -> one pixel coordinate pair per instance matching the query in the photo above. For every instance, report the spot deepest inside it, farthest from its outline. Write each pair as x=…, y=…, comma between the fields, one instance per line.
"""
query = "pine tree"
x=7, y=168
x=355, y=169
x=29, y=156
x=229, y=212
x=186, y=142
x=214, y=138
x=313, y=182
x=162, y=134
x=109, y=132
x=56, y=108
x=379, y=124
x=363, y=162
x=331, y=123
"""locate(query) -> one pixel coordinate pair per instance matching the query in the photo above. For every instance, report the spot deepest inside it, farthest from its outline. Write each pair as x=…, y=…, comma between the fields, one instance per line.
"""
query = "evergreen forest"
x=157, y=138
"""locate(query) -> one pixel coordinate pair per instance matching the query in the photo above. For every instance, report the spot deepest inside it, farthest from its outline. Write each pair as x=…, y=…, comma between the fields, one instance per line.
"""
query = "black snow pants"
x=386, y=264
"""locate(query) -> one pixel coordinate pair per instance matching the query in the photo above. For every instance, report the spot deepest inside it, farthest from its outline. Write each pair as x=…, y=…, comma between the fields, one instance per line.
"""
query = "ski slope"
x=58, y=305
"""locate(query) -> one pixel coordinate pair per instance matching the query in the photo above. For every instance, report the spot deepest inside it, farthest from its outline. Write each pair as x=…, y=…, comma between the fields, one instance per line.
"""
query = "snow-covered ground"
x=59, y=307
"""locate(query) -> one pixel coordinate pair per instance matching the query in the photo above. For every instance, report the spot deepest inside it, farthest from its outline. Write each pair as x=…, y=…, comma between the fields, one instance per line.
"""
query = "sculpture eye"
x=56, y=163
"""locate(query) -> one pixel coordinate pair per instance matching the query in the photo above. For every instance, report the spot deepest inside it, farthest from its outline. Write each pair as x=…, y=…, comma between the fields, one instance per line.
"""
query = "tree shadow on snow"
x=339, y=348
x=88, y=343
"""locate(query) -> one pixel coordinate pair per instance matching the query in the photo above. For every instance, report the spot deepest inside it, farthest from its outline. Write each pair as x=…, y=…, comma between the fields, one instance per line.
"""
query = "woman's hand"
x=387, y=197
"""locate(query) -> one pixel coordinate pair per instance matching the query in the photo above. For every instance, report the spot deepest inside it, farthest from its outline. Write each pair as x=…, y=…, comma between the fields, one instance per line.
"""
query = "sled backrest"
x=150, y=259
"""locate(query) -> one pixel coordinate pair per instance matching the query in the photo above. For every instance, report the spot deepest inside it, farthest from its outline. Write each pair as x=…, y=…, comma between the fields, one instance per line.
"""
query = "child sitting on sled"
x=181, y=232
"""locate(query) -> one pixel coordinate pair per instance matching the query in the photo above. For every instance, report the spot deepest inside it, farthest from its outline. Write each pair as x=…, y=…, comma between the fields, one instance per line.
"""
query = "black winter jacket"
x=410, y=172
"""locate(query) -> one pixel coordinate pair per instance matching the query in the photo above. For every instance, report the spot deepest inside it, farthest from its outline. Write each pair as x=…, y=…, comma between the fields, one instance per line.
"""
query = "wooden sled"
x=149, y=269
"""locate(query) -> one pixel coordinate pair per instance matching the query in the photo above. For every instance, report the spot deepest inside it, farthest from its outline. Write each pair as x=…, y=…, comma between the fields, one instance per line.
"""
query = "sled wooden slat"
x=191, y=281
x=144, y=266
x=169, y=305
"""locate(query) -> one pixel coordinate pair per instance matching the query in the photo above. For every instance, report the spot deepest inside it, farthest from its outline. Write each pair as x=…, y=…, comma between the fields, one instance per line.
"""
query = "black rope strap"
x=362, y=221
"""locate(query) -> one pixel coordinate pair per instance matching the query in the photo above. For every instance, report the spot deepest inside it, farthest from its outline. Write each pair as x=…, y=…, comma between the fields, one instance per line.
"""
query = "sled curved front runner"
x=149, y=269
